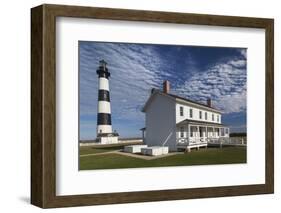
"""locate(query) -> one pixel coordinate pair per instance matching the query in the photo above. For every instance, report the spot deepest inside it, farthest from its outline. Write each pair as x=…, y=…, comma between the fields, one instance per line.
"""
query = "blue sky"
x=194, y=72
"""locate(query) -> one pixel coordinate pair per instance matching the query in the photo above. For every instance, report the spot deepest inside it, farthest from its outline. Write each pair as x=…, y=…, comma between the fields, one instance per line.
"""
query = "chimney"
x=209, y=102
x=166, y=86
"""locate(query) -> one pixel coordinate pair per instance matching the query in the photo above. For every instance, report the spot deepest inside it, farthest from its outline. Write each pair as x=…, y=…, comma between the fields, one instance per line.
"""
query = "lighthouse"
x=105, y=135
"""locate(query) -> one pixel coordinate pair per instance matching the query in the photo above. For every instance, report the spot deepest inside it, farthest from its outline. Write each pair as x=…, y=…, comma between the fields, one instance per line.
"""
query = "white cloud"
x=238, y=63
x=224, y=83
x=243, y=52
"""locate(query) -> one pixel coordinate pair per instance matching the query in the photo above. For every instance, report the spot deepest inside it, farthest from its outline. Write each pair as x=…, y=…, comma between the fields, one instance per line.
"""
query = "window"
x=182, y=132
x=213, y=117
x=222, y=131
x=209, y=131
x=200, y=114
x=191, y=132
x=206, y=116
x=218, y=118
x=226, y=131
x=201, y=132
x=181, y=111
x=190, y=113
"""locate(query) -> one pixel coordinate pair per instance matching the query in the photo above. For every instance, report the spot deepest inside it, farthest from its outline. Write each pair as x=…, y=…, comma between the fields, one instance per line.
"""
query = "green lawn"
x=226, y=155
x=84, y=150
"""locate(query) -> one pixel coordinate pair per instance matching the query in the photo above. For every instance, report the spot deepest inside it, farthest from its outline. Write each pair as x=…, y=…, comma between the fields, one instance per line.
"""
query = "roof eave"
x=201, y=123
x=198, y=105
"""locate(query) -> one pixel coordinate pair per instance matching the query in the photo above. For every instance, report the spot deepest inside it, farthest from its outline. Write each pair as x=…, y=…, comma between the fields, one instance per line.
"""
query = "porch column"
x=188, y=133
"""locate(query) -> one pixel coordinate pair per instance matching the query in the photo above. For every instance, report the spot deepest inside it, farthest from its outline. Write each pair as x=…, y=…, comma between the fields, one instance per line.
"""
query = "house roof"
x=176, y=97
x=206, y=123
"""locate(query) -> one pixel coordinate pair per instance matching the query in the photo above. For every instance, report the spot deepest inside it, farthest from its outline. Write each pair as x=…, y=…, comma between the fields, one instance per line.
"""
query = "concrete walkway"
x=144, y=157
x=147, y=157
x=101, y=153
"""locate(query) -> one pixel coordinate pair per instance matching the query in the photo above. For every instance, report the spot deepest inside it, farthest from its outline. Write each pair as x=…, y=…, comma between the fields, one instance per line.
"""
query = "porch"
x=199, y=134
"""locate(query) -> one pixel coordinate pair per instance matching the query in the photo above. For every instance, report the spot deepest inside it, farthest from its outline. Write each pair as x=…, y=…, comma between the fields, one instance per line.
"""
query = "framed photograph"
x=138, y=106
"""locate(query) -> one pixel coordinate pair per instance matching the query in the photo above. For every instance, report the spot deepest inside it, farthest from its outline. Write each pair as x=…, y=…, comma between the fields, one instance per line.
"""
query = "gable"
x=153, y=97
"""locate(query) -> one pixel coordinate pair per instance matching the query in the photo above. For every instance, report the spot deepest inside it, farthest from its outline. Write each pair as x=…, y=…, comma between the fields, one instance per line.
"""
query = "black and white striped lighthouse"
x=104, y=127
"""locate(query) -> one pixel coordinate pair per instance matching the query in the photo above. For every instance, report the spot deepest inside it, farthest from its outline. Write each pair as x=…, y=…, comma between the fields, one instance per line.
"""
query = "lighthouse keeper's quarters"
x=180, y=123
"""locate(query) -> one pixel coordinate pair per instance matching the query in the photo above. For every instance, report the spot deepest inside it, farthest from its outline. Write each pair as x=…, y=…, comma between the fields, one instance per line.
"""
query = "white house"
x=180, y=123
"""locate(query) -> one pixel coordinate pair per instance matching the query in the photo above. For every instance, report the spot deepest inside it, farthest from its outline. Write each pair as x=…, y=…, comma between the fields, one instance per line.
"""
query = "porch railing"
x=221, y=140
x=193, y=141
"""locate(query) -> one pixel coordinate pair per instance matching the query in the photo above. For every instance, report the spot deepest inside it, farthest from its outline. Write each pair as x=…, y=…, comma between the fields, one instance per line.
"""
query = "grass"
x=93, y=150
x=226, y=155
